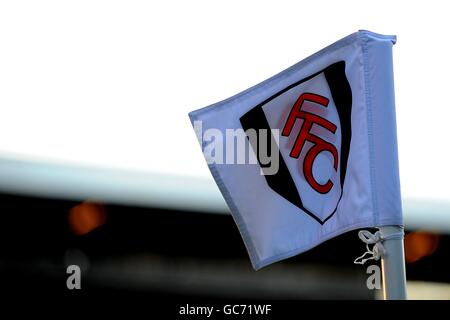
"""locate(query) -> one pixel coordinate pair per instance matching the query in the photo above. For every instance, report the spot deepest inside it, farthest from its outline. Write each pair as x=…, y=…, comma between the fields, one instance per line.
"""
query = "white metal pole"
x=393, y=265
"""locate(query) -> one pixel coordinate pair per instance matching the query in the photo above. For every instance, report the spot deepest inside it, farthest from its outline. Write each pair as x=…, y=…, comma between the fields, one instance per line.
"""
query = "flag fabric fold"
x=320, y=149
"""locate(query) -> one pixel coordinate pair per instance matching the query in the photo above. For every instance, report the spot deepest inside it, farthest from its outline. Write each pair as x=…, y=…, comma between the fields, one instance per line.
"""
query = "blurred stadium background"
x=169, y=247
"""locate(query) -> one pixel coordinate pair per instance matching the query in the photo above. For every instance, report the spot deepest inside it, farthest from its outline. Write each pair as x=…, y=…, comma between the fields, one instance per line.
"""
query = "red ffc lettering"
x=305, y=134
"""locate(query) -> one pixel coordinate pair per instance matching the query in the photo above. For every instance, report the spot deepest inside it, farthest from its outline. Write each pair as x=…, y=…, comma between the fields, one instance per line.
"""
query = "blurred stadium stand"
x=159, y=236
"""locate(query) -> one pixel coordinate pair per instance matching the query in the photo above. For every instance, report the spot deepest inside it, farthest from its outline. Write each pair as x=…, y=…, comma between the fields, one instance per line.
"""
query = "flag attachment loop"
x=376, y=239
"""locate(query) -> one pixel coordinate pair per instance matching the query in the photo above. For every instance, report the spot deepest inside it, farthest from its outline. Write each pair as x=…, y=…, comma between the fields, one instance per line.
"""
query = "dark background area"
x=152, y=252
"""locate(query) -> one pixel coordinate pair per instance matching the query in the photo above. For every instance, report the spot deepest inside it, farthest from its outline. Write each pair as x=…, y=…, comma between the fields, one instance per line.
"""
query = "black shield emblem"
x=314, y=118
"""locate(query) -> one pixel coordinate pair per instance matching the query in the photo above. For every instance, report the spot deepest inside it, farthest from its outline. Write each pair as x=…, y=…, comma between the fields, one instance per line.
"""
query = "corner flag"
x=322, y=149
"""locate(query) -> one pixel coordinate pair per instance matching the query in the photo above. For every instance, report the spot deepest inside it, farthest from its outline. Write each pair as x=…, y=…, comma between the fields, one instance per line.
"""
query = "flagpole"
x=393, y=264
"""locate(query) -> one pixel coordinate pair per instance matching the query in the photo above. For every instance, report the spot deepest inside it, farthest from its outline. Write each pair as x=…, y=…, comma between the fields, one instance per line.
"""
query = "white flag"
x=311, y=152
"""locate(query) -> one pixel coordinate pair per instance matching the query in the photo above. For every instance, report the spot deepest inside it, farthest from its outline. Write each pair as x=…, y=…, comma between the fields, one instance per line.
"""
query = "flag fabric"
x=322, y=149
